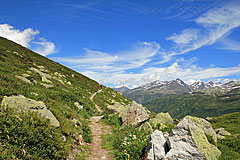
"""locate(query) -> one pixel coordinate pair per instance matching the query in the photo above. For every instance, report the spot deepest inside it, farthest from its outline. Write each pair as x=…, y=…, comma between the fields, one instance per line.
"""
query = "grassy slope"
x=230, y=146
x=197, y=104
x=59, y=99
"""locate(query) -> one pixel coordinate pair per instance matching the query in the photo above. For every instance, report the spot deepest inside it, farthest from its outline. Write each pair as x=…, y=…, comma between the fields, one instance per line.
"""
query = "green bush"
x=26, y=135
x=112, y=119
x=130, y=143
x=86, y=132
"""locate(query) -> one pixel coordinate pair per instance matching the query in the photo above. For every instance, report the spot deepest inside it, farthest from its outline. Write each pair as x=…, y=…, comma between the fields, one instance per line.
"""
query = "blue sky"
x=131, y=42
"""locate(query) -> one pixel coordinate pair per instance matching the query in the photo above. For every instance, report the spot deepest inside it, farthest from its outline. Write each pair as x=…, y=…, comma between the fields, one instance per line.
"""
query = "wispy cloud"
x=135, y=57
x=26, y=38
x=229, y=44
x=213, y=25
x=175, y=70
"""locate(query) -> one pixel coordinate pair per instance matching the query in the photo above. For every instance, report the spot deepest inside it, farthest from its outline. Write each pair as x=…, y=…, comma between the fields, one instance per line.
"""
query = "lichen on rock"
x=21, y=103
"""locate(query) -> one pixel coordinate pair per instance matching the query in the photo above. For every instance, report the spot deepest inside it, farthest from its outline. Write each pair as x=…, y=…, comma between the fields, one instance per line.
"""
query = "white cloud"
x=229, y=44
x=21, y=37
x=44, y=47
x=176, y=70
x=135, y=57
x=214, y=25
x=26, y=38
x=187, y=36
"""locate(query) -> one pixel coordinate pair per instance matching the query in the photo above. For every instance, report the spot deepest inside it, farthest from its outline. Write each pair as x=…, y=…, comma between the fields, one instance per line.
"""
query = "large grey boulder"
x=132, y=113
x=188, y=141
x=22, y=103
x=156, y=146
x=135, y=115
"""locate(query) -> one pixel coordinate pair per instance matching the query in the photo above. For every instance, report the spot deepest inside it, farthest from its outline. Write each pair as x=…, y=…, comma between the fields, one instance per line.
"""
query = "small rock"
x=46, y=85
x=69, y=83
x=83, y=150
x=23, y=79
x=146, y=127
x=222, y=131
x=44, y=79
x=33, y=93
x=80, y=107
x=25, y=75
x=64, y=138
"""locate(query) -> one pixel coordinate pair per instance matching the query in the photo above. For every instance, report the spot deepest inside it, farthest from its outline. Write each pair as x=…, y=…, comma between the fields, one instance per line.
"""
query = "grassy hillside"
x=230, y=146
x=66, y=88
x=197, y=104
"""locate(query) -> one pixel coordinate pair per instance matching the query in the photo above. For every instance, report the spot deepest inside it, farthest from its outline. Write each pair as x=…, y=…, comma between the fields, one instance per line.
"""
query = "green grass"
x=230, y=122
x=230, y=146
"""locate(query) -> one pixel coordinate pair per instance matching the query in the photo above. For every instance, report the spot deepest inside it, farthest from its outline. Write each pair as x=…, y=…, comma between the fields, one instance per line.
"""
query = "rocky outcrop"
x=156, y=123
x=164, y=118
x=205, y=125
x=21, y=103
x=42, y=74
x=157, y=147
x=133, y=113
x=161, y=121
x=187, y=141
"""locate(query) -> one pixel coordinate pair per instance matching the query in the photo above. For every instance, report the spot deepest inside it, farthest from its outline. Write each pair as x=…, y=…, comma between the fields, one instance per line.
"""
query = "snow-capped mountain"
x=200, y=85
x=156, y=89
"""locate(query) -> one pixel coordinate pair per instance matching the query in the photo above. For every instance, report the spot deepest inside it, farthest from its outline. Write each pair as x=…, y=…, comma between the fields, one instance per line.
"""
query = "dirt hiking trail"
x=97, y=129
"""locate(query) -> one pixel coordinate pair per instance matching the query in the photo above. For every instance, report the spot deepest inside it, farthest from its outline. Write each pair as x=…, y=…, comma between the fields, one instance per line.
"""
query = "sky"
x=131, y=42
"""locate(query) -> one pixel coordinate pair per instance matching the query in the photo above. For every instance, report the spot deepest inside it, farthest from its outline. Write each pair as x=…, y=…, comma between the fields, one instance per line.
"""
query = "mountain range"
x=156, y=89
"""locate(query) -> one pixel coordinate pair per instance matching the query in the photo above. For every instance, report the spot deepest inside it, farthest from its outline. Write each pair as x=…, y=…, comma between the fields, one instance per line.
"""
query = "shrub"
x=86, y=132
x=130, y=143
x=113, y=120
x=26, y=135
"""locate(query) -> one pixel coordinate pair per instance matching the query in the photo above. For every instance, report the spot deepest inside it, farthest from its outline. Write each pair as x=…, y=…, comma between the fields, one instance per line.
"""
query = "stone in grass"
x=47, y=85
x=22, y=103
x=23, y=79
x=222, y=132
x=164, y=118
x=80, y=107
